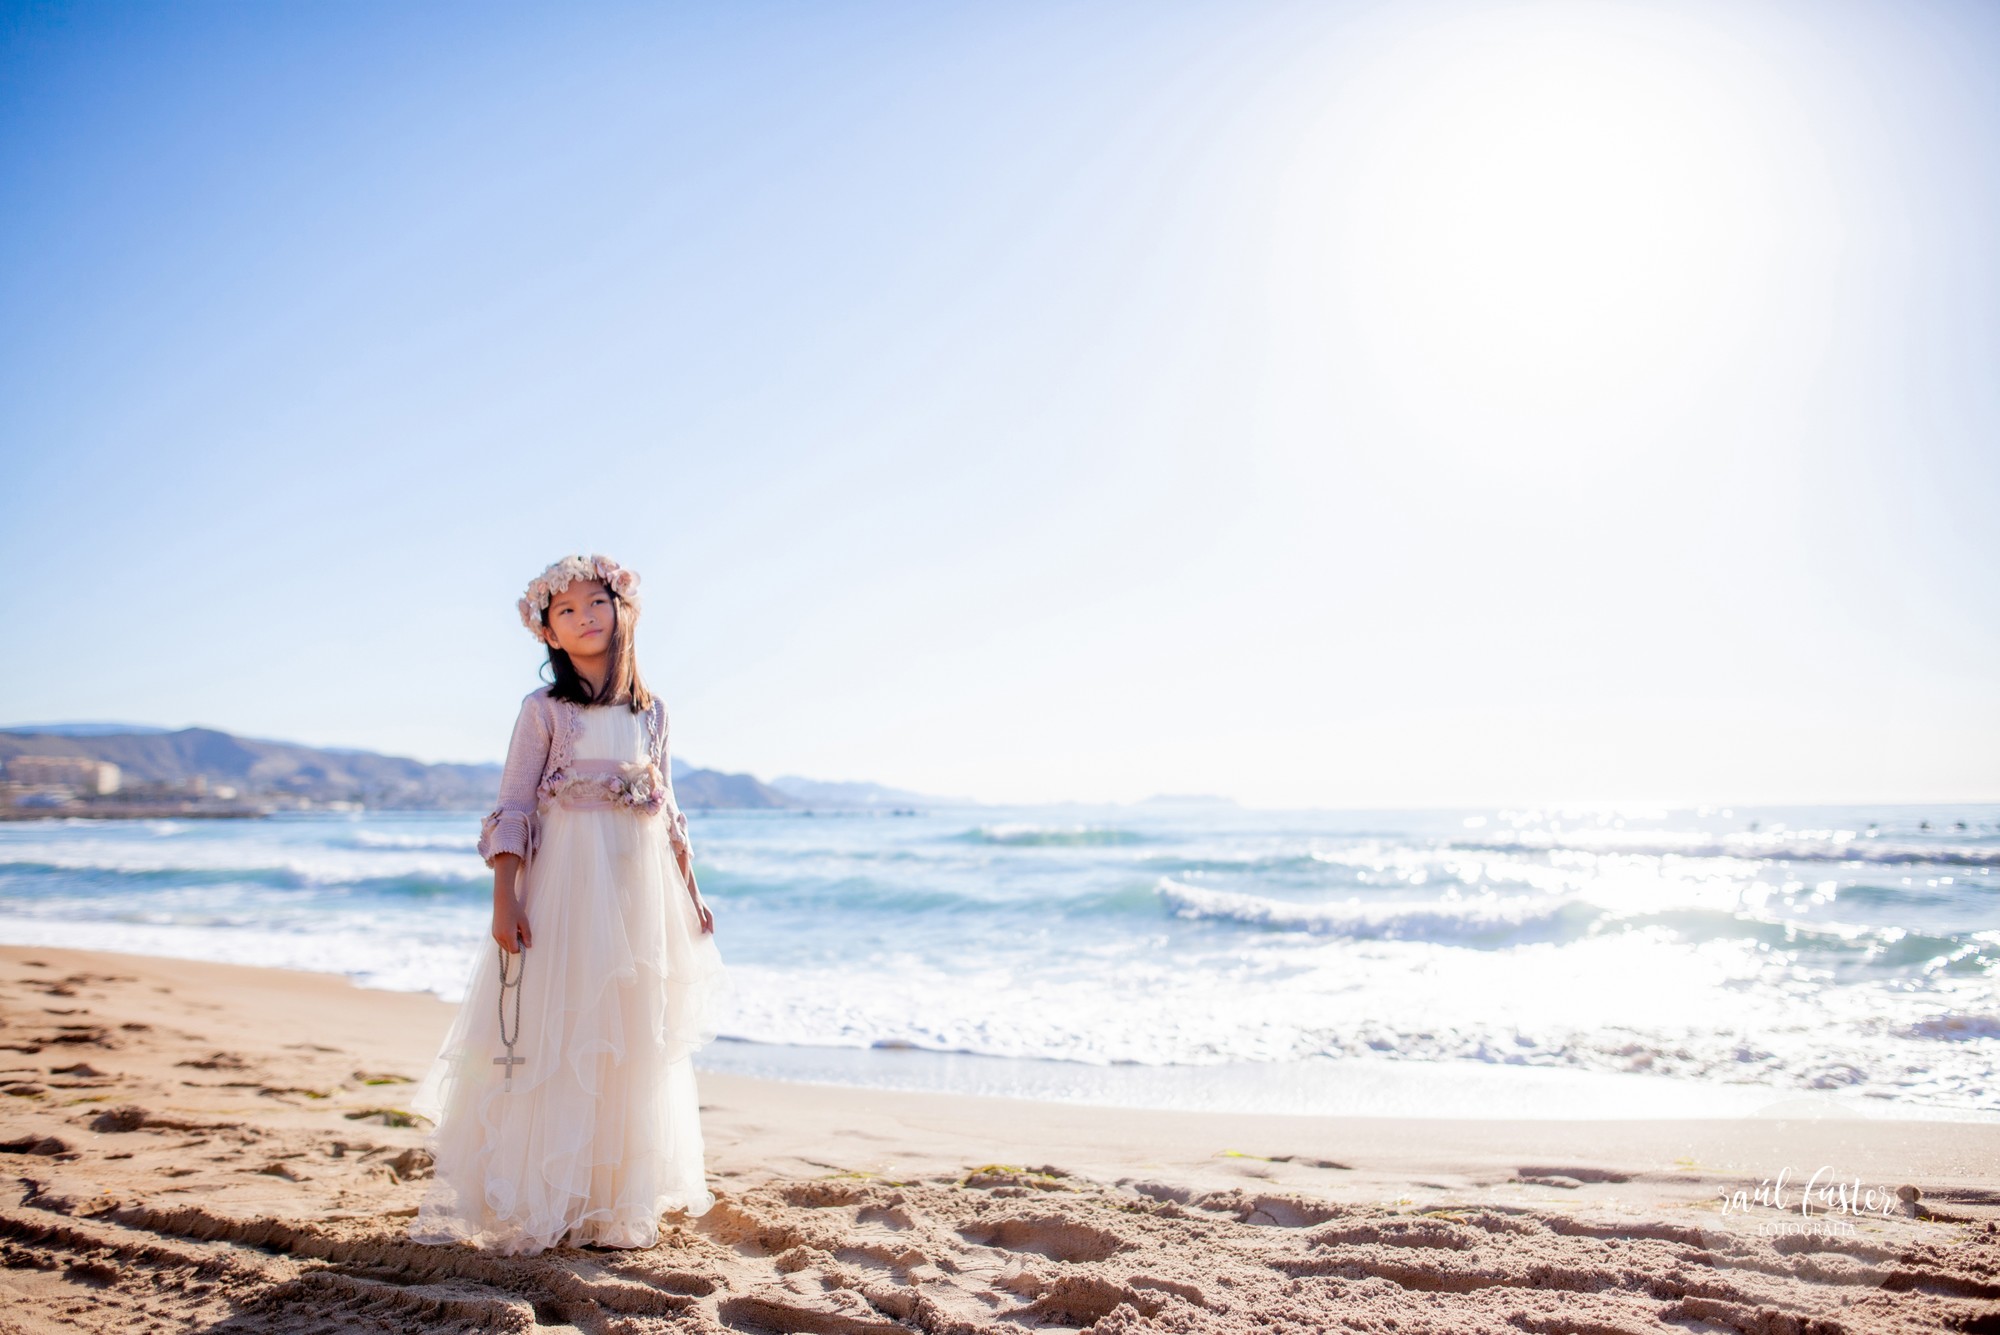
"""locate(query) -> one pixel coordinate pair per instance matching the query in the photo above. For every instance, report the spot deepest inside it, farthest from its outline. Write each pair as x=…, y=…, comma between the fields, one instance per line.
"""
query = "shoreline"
x=1316, y=1087
x=1353, y=1088
x=198, y=1141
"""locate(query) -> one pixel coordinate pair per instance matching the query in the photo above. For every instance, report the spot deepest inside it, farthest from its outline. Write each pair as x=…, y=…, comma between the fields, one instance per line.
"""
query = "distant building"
x=78, y=772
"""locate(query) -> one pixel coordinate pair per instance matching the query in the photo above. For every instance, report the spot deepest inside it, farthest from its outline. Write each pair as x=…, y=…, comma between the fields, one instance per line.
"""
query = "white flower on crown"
x=545, y=586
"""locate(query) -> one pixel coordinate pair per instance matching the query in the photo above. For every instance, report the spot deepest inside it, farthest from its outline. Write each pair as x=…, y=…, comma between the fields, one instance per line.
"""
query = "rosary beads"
x=510, y=1061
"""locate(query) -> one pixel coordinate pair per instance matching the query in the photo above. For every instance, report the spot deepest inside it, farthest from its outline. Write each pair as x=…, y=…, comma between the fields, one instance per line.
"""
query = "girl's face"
x=580, y=619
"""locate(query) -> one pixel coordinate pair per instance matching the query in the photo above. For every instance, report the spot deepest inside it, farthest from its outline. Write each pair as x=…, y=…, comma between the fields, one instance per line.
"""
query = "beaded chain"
x=510, y=1061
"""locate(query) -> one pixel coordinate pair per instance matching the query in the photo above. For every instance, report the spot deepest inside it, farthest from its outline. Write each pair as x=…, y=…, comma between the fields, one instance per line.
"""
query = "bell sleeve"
x=505, y=829
x=677, y=823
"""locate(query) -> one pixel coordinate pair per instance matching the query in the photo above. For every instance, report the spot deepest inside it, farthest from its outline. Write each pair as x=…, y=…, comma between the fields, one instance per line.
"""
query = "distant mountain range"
x=81, y=729
x=836, y=793
x=161, y=762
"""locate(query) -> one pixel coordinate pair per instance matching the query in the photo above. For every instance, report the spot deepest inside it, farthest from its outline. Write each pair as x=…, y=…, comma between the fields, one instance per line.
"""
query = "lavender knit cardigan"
x=538, y=762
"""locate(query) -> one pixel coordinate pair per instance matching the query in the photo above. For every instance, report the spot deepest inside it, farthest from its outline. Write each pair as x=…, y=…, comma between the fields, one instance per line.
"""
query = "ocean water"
x=1501, y=963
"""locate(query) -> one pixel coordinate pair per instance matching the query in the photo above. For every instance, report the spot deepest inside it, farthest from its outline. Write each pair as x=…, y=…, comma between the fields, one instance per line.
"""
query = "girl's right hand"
x=510, y=927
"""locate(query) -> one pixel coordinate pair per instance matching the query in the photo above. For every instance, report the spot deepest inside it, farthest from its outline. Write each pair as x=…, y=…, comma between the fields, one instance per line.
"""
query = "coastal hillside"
x=713, y=790
x=87, y=769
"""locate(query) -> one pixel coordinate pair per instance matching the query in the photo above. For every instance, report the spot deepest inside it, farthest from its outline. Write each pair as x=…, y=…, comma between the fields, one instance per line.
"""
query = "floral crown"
x=543, y=587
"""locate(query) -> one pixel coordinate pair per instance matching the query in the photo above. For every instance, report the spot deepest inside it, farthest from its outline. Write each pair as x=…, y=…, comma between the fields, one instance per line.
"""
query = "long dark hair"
x=622, y=680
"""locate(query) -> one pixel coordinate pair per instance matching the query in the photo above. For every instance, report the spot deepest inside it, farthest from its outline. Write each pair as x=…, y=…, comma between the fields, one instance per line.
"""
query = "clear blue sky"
x=1322, y=404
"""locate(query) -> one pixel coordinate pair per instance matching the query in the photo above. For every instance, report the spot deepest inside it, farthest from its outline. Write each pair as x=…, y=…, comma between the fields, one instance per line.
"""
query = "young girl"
x=564, y=1094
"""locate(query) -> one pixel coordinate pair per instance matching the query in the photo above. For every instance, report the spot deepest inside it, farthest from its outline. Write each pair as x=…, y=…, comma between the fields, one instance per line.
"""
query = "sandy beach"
x=208, y=1147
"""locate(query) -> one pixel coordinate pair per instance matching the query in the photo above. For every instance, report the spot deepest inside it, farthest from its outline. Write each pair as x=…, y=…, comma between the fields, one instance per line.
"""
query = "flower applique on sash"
x=636, y=785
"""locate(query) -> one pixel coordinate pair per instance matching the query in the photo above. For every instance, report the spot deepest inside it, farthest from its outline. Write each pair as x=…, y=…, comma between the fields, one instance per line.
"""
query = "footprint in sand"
x=1436, y=1234
x=382, y=1116
x=1568, y=1178
x=1056, y=1238
x=760, y=1313
x=97, y=1274
x=412, y=1164
x=1271, y=1211
x=131, y=1117
x=875, y=1256
x=282, y=1092
x=889, y=1216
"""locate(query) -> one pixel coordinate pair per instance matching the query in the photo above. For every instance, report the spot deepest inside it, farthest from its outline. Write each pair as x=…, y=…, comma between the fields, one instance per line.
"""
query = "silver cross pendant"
x=507, y=1041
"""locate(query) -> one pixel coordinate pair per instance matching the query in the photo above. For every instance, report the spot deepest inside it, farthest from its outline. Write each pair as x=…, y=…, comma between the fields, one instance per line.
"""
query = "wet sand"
x=206, y=1147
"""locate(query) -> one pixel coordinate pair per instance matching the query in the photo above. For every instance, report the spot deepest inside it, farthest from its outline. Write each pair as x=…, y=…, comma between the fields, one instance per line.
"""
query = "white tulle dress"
x=601, y=1131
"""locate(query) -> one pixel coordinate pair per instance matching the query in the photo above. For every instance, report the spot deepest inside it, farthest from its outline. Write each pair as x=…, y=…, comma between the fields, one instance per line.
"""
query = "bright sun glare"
x=1551, y=220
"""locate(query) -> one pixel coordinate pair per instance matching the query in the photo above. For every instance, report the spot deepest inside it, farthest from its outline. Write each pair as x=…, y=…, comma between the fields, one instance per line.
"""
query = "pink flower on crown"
x=545, y=586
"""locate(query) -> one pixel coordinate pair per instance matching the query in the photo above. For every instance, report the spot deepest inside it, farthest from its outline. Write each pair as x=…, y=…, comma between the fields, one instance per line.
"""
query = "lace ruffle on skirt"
x=600, y=1133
